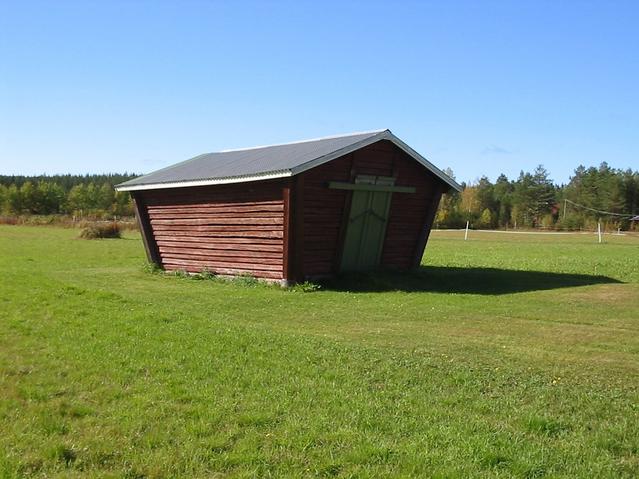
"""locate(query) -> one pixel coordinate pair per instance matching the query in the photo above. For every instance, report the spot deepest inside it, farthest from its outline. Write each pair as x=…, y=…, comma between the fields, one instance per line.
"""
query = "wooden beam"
x=427, y=224
x=339, y=185
x=150, y=246
x=343, y=225
x=288, y=250
x=298, y=227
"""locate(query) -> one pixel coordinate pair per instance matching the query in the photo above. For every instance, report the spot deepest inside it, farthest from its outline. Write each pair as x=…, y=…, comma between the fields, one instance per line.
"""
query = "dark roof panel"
x=264, y=162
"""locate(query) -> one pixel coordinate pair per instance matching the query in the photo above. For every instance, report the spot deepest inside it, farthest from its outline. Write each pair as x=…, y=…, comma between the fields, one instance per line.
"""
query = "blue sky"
x=480, y=87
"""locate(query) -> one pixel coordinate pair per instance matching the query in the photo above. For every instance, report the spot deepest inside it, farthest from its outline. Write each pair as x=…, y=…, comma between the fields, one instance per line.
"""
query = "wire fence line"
x=608, y=213
x=614, y=233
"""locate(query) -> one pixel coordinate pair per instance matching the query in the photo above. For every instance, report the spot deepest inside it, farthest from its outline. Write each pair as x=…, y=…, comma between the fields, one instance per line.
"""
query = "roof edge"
x=207, y=182
x=382, y=135
x=433, y=169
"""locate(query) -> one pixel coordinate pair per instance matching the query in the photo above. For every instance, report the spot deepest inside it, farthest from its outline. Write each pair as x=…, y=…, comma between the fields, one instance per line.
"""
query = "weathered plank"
x=237, y=220
x=198, y=268
x=216, y=265
x=222, y=246
x=241, y=255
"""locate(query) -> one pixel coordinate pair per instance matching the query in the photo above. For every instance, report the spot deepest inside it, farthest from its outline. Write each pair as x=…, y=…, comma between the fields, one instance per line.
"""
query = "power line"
x=622, y=215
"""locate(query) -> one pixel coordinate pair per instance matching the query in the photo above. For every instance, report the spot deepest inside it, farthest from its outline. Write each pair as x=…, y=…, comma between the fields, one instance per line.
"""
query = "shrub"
x=246, y=279
x=151, y=267
x=179, y=273
x=547, y=221
x=486, y=219
x=207, y=274
x=306, y=287
x=110, y=230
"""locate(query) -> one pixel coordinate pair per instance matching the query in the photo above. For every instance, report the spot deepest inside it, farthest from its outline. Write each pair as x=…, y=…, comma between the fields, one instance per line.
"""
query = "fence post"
x=599, y=230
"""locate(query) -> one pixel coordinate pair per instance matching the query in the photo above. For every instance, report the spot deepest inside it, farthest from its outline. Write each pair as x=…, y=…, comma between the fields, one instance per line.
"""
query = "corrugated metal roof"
x=273, y=161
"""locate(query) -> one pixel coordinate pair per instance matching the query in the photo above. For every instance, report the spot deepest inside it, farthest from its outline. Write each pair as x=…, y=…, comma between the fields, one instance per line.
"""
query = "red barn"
x=293, y=211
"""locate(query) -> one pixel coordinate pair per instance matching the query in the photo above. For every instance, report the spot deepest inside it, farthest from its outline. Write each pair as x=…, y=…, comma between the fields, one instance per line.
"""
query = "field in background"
x=505, y=355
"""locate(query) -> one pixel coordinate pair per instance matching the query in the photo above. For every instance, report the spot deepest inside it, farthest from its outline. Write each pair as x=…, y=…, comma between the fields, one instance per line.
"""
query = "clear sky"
x=480, y=87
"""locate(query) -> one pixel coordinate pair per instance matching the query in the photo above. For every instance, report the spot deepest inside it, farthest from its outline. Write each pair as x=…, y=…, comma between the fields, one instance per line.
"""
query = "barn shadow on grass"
x=444, y=279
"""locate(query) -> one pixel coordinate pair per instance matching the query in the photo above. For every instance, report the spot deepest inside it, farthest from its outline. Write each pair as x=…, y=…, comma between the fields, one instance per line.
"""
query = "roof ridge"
x=344, y=135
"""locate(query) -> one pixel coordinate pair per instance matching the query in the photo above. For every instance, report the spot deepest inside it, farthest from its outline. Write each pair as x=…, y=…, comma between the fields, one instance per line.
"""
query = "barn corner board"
x=292, y=211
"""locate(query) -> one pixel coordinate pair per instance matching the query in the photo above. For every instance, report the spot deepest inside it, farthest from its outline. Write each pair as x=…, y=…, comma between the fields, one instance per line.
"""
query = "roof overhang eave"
x=204, y=182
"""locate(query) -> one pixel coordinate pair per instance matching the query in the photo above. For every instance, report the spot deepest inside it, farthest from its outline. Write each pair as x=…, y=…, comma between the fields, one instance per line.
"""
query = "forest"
x=533, y=200
x=595, y=194
x=90, y=196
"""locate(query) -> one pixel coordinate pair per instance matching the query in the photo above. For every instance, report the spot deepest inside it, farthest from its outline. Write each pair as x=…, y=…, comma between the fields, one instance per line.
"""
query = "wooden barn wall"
x=324, y=208
x=409, y=213
x=226, y=229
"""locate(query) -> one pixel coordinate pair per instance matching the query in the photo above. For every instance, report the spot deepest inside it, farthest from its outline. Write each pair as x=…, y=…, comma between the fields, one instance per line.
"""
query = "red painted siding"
x=226, y=229
x=408, y=212
x=324, y=208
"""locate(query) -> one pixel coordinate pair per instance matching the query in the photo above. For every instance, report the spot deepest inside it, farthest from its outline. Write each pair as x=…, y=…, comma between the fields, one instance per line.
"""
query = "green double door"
x=366, y=230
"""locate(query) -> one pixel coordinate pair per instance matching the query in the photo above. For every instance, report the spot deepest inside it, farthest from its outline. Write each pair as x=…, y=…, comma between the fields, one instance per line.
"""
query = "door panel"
x=366, y=230
x=355, y=229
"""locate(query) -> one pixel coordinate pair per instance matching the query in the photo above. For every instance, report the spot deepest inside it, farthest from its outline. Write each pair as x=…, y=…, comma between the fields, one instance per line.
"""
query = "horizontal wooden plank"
x=205, y=244
x=213, y=217
x=212, y=265
x=204, y=207
x=225, y=234
x=176, y=197
x=205, y=237
x=222, y=228
x=220, y=221
x=243, y=211
x=218, y=228
x=258, y=215
x=218, y=208
x=215, y=267
x=253, y=257
x=227, y=252
x=252, y=187
x=198, y=268
x=199, y=202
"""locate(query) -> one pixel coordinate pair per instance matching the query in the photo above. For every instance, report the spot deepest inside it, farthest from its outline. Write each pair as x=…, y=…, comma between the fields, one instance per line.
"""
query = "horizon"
x=477, y=88
x=473, y=182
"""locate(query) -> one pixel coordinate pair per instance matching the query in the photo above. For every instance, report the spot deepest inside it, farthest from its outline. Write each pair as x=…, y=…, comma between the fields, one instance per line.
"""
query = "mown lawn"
x=506, y=355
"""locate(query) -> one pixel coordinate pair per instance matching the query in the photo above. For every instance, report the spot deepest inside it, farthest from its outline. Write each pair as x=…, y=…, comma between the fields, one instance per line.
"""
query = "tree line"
x=78, y=195
x=533, y=200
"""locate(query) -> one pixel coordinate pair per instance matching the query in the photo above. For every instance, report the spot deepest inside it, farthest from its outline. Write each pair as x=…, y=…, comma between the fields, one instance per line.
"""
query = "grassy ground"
x=504, y=356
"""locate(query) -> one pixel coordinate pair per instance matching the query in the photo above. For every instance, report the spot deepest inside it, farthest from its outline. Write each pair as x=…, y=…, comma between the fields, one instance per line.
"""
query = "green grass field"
x=505, y=356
